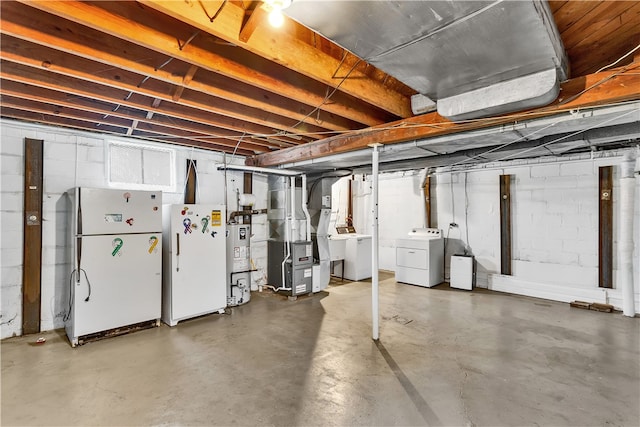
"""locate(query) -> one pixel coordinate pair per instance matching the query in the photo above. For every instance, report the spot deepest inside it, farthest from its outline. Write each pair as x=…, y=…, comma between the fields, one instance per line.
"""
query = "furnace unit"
x=291, y=273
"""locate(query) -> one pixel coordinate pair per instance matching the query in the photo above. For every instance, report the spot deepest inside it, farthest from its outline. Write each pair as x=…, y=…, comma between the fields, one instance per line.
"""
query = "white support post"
x=625, y=245
x=375, y=310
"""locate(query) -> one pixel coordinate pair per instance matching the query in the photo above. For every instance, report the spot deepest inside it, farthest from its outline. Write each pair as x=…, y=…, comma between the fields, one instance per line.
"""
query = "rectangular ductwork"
x=507, y=52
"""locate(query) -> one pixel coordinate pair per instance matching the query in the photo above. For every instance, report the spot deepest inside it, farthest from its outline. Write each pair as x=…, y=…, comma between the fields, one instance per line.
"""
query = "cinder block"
x=578, y=169
x=11, y=314
x=58, y=184
x=565, y=258
x=10, y=276
x=93, y=172
x=45, y=135
x=583, y=245
x=11, y=165
x=12, y=202
x=12, y=183
x=12, y=145
x=60, y=151
x=11, y=257
x=543, y=171
x=11, y=221
x=59, y=168
x=485, y=176
x=533, y=255
x=92, y=150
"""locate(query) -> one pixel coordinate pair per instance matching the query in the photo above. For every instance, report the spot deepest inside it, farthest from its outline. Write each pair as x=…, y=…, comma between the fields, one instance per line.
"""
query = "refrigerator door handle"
x=177, y=251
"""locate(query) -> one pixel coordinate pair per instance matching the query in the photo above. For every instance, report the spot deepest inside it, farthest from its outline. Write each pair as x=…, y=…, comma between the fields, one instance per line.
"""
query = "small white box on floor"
x=461, y=272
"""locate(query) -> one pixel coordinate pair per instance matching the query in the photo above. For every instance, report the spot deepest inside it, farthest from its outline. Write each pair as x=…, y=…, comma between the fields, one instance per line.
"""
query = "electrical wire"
x=567, y=136
x=466, y=161
x=71, y=281
x=619, y=59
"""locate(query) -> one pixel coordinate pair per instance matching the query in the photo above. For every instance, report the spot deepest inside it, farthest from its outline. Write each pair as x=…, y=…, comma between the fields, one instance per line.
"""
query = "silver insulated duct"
x=474, y=58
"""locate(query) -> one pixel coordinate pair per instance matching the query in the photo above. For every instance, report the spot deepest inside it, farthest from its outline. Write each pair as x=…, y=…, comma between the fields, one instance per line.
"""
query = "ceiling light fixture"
x=275, y=7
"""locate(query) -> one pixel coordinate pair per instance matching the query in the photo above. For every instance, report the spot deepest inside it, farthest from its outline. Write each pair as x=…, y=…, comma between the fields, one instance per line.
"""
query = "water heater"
x=238, y=264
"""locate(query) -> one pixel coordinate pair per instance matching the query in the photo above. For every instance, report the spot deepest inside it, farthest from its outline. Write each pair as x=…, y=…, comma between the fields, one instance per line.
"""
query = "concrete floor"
x=445, y=357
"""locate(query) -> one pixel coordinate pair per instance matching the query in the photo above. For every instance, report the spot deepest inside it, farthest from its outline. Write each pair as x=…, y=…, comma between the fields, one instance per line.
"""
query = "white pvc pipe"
x=287, y=245
x=257, y=169
x=625, y=245
x=375, y=310
x=304, y=207
x=294, y=227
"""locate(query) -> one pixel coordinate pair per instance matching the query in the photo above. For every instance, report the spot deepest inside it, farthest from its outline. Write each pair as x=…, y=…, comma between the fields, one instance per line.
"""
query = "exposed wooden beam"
x=31, y=76
x=106, y=129
x=259, y=16
x=100, y=19
x=185, y=82
x=158, y=131
x=80, y=68
x=14, y=92
x=589, y=91
x=284, y=48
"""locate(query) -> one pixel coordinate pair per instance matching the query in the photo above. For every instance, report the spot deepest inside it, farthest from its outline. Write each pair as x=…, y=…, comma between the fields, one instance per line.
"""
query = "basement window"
x=141, y=168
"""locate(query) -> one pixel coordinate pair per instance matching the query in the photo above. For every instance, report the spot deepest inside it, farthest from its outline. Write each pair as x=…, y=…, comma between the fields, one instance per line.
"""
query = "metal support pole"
x=375, y=311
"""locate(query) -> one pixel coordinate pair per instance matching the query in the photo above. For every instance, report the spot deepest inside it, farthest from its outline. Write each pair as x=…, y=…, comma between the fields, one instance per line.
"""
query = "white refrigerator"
x=195, y=262
x=116, y=277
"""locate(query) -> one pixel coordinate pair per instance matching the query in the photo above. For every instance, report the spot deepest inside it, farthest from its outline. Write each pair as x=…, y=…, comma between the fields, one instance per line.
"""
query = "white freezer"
x=357, y=255
x=195, y=262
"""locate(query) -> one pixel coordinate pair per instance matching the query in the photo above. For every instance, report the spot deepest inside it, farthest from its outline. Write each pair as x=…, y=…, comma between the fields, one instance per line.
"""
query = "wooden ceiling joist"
x=590, y=91
x=97, y=17
x=32, y=76
x=131, y=126
x=171, y=124
x=106, y=129
x=83, y=69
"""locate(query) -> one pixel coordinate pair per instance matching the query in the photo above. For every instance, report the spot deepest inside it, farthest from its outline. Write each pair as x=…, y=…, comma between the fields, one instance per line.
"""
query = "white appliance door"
x=108, y=211
x=198, y=267
x=123, y=283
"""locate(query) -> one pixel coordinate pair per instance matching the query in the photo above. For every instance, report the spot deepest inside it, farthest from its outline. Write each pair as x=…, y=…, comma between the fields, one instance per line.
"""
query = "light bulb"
x=276, y=19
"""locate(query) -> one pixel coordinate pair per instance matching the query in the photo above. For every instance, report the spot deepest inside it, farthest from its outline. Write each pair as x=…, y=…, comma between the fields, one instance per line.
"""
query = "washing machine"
x=356, y=251
x=420, y=257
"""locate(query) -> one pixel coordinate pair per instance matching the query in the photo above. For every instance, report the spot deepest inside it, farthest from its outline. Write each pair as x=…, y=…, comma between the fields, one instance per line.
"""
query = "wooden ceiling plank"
x=556, y=4
x=30, y=76
x=59, y=99
x=277, y=45
x=99, y=19
x=571, y=12
x=80, y=68
x=611, y=29
x=606, y=88
x=606, y=52
x=598, y=17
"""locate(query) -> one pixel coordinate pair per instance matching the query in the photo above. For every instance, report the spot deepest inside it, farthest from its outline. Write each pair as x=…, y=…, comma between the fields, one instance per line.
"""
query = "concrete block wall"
x=71, y=159
x=554, y=221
